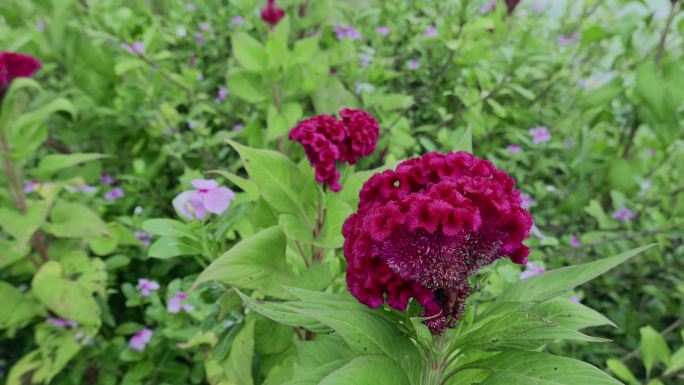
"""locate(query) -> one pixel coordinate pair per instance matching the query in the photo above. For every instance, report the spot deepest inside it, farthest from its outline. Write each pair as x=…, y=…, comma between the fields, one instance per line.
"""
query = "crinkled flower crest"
x=16, y=65
x=421, y=230
x=327, y=140
x=271, y=13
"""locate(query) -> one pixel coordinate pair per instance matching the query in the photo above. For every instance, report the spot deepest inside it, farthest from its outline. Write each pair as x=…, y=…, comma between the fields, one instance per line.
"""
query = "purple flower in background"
x=624, y=214
x=650, y=153
x=106, y=178
x=383, y=31
x=190, y=7
x=140, y=340
x=531, y=270
x=342, y=32
x=31, y=186
x=191, y=125
x=40, y=25
x=514, y=149
x=566, y=40
x=62, y=323
x=574, y=242
x=114, y=194
x=176, y=303
x=488, y=6
x=237, y=20
x=537, y=7
x=143, y=237
x=87, y=189
x=205, y=26
x=147, y=286
x=413, y=64
x=526, y=201
x=575, y=298
x=540, y=134
x=431, y=31
x=364, y=63
x=221, y=94
x=137, y=48
x=238, y=127
x=208, y=197
x=199, y=38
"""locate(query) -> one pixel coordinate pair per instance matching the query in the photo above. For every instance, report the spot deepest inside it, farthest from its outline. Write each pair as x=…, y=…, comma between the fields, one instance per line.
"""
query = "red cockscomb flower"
x=16, y=65
x=421, y=230
x=327, y=140
x=271, y=13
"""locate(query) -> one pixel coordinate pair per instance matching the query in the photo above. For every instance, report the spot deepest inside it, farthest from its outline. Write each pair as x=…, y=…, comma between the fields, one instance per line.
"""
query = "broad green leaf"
x=516, y=330
x=570, y=314
x=250, y=188
x=53, y=163
x=74, y=220
x=331, y=97
x=465, y=142
x=314, y=375
x=602, y=95
x=278, y=179
x=284, y=313
x=170, y=247
x=368, y=370
x=676, y=362
x=67, y=298
x=168, y=228
x=11, y=252
x=654, y=349
x=24, y=371
x=325, y=348
x=17, y=309
x=57, y=347
x=238, y=366
x=249, y=52
x=22, y=226
x=622, y=371
x=526, y=368
x=555, y=282
x=247, y=86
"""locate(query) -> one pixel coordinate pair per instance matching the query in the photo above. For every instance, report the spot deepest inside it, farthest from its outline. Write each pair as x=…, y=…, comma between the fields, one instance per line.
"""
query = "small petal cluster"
x=342, y=32
x=62, y=323
x=624, y=214
x=15, y=65
x=147, y=286
x=140, y=340
x=177, y=303
x=207, y=197
x=421, y=230
x=271, y=13
x=327, y=140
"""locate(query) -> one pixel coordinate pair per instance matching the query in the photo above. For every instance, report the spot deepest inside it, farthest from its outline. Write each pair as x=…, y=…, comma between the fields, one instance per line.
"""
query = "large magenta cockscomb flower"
x=327, y=140
x=271, y=13
x=16, y=65
x=421, y=230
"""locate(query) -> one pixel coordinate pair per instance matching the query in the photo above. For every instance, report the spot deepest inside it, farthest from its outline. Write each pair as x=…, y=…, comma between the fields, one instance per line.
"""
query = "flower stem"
x=435, y=365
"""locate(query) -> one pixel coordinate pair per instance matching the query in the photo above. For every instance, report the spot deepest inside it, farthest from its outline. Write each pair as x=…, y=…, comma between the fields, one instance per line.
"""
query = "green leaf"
x=69, y=299
x=676, y=362
x=250, y=188
x=283, y=313
x=305, y=49
x=654, y=349
x=238, y=366
x=622, y=371
x=74, y=220
x=331, y=97
x=53, y=163
x=526, y=368
x=247, y=86
x=556, y=282
x=498, y=109
x=249, y=52
x=22, y=226
x=367, y=370
x=57, y=347
x=570, y=314
x=279, y=180
x=465, y=141
x=17, y=308
x=602, y=95
x=168, y=228
x=170, y=247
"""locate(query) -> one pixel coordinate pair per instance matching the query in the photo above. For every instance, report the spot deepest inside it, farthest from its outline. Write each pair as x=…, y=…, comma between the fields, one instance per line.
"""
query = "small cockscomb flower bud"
x=421, y=230
x=511, y=5
x=16, y=65
x=271, y=13
x=327, y=140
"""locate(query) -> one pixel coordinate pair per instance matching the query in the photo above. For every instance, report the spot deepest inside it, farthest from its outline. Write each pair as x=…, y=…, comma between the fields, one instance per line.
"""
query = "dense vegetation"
x=109, y=276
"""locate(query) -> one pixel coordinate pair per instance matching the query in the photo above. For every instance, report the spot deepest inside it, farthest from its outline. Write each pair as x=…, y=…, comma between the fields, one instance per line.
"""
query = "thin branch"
x=660, y=52
x=664, y=333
